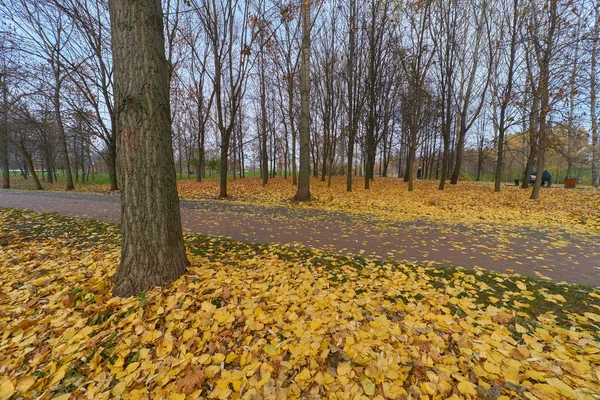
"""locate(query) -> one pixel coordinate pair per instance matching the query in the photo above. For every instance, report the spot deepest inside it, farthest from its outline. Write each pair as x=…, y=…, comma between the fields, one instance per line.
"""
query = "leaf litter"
x=266, y=321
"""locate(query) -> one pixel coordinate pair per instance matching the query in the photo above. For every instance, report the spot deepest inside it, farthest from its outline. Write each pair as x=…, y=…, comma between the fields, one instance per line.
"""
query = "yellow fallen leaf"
x=315, y=324
x=58, y=375
x=304, y=375
x=562, y=387
x=465, y=387
x=430, y=388
x=6, y=390
x=593, y=317
x=492, y=368
x=344, y=368
x=368, y=386
x=119, y=388
x=520, y=328
x=25, y=383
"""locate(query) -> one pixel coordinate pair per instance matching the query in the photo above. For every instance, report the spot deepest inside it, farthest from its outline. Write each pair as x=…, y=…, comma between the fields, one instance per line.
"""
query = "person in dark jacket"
x=419, y=174
x=546, y=178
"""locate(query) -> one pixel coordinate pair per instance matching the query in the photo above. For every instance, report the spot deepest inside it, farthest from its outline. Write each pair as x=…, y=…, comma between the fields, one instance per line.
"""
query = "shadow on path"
x=525, y=251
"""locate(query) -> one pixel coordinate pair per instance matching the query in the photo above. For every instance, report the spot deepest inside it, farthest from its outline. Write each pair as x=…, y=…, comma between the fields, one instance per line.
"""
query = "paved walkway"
x=533, y=253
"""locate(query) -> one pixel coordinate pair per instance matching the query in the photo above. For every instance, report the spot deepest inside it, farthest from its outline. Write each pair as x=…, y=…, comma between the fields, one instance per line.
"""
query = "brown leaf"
x=423, y=345
x=502, y=319
x=26, y=324
x=67, y=301
x=191, y=382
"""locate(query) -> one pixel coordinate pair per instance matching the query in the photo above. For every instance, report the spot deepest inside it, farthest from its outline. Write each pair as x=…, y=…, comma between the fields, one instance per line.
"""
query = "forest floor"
x=253, y=320
x=467, y=225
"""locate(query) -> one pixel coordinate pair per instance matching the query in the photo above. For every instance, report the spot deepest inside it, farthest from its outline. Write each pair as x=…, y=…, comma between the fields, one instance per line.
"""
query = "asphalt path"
x=544, y=254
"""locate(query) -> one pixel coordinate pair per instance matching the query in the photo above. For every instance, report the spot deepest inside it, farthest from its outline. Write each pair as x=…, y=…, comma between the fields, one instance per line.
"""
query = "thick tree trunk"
x=152, y=251
x=303, y=193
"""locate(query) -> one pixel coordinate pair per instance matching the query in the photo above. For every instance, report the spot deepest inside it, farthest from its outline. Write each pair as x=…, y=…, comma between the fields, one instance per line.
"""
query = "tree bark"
x=4, y=135
x=61, y=130
x=29, y=160
x=264, y=159
x=352, y=118
x=506, y=98
x=303, y=193
x=593, y=97
x=152, y=250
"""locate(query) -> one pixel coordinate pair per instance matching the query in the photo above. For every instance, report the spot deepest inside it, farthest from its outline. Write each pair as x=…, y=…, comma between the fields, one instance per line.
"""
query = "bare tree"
x=504, y=92
x=595, y=38
x=303, y=192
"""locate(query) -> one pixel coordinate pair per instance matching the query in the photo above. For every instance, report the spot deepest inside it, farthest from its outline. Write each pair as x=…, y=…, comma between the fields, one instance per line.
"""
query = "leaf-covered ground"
x=573, y=210
x=259, y=321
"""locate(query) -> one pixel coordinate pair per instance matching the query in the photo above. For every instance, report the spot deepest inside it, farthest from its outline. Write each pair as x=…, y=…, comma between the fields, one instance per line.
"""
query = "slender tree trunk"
x=225, y=138
x=48, y=157
x=29, y=160
x=542, y=133
x=112, y=159
x=532, y=131
x=303, y=193
x=506, y=96
x=593, y=97
x=4, y=136
x=152, y=250
x=351, y=109
x=201, y=135
x=292, y=128
x=572, y=128
x=62, y=133
x=264, y=165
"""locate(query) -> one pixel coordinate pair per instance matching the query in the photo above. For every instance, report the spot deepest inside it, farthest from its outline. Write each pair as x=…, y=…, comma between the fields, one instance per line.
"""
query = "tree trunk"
x=351, y=110
x=303, y=193
x=533, y=127
x=112, y=159
x=29, y=160
x=152, y=250
x=264, y=164
x=292, y=128
x=225, y=136
x=542, y=134
x=593, y=97
x=62, y=133
x=201, y=134
x=4, y=136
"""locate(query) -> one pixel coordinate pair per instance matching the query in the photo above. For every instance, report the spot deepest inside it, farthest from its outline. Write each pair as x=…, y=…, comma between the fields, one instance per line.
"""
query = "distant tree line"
x=394, y=85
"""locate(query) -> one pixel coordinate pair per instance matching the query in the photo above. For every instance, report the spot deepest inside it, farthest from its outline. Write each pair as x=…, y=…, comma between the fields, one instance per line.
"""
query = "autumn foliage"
x=265, y=321
x=573, y=210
